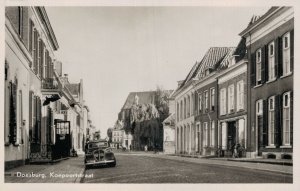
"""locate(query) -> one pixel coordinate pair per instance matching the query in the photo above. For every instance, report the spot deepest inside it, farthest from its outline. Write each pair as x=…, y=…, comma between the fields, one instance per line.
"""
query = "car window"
x=97, y=144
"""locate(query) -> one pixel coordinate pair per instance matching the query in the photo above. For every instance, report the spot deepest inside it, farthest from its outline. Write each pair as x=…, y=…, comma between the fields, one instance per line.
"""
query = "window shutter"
x=39, y=119
x=266, y=63
x=263, y=64
x=253, y=70
x=12, y=119
x=279, y=57
x=196, y=103
x=35, y=59
x=292, y=50
x=50, y=68
x=291, y=115
x=30, y=36
x=39, y=57
x=265, y=123
x=30, y=115
x=278, y=116
x=46, y=63
x=34, y=119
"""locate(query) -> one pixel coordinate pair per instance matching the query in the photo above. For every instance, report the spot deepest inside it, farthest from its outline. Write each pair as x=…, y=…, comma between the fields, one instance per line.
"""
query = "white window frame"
x=206, y=99
x=223, y=101
x=212, y=98
x=286, y=54
x=286, y=107
x=271, y=61
x=259, y=107
x=240, y=95
x=205, y=127
x=212, y=133
x=200, y=102
x=231, y=98
x=258, y=66
x=19, y=116
x=271, y=121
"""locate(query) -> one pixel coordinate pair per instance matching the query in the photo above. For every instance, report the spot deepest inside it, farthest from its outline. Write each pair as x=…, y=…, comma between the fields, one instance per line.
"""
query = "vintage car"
x=99, y=153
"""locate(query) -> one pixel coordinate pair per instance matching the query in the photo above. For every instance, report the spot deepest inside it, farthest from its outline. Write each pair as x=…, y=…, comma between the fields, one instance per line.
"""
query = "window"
x=286, y=54
x=286, y=119
x=20, y=29
x=184, y=110
x=181, y=110
x=188, y=106
x=205, y=134
x=177, y=111
x=206, y=99
x=271, y=120
x=271, y=61
x=223, y=102
x=200, y=102
x=212, y=99
x=20, y=117
x=259, y=107
x=258, y=66
x=206, y=72
x=240, y=95
x=230, y=98
x=212, y=133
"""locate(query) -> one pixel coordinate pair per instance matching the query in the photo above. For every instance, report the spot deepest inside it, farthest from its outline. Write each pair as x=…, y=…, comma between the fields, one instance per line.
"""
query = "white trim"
x=284, y=16
x=232, y=74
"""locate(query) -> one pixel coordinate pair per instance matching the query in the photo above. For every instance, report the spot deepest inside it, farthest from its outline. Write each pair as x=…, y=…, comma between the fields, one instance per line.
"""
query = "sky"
x=117, y=50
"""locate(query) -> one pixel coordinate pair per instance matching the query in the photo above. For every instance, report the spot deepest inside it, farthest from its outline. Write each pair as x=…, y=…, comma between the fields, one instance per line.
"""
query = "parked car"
x=99, y=153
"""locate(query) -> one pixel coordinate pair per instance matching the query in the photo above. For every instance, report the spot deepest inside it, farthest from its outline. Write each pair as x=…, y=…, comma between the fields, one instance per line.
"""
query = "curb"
x=232, y=165
x=80, y=179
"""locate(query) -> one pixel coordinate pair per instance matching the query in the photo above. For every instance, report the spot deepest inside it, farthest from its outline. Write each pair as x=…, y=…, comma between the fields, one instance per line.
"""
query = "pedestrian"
x=235, y=151
x=146, y=148
x=130, y=148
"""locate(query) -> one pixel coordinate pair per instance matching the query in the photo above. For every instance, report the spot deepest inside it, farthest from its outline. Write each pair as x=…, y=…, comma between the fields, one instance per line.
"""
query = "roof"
x=74, y=88
x=211, y=60
x=257, y=19
x=170, y=119
x=144, y=98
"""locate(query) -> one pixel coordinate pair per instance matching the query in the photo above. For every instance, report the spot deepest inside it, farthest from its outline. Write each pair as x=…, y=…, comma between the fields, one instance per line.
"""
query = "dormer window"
x=206, y=72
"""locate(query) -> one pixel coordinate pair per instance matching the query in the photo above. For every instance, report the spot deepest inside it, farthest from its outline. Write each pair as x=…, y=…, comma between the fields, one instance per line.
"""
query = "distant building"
x=142, y=117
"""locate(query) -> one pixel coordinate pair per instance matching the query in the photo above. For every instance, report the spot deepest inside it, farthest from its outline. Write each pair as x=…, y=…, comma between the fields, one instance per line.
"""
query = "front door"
x=62, y=145
x=231, y=138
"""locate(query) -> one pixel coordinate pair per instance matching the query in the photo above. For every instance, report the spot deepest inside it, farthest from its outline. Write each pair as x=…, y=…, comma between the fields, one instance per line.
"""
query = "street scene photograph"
x=148, y=94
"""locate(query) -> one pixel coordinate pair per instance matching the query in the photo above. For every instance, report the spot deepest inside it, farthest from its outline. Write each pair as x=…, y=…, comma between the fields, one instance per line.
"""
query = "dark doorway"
x=260, y=129
x=62, y=145
x=231, y=138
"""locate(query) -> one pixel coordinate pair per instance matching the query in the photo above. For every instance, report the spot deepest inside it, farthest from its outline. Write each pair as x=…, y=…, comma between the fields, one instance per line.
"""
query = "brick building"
x=270, y=47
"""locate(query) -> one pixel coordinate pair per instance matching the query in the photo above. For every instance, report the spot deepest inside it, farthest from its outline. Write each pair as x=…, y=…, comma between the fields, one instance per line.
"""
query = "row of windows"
x=42, y=62
x=118, y=139
x=185, y=107
x=274, y=60
x=229, y=99
x=203, y=103
x=278, y=116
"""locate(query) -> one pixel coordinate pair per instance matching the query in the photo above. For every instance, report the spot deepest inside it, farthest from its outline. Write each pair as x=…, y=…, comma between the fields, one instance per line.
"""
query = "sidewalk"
x=66, y=171
x=283, y=169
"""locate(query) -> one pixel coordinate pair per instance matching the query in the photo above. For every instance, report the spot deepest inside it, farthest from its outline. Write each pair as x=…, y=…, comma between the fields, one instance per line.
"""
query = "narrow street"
x=146, y=169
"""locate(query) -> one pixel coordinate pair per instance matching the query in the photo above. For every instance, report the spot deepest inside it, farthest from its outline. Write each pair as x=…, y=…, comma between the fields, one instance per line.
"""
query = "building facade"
x=207, y=100
x=232, y=102
x=40, y=115
x=270, y=47
x=29, y=55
